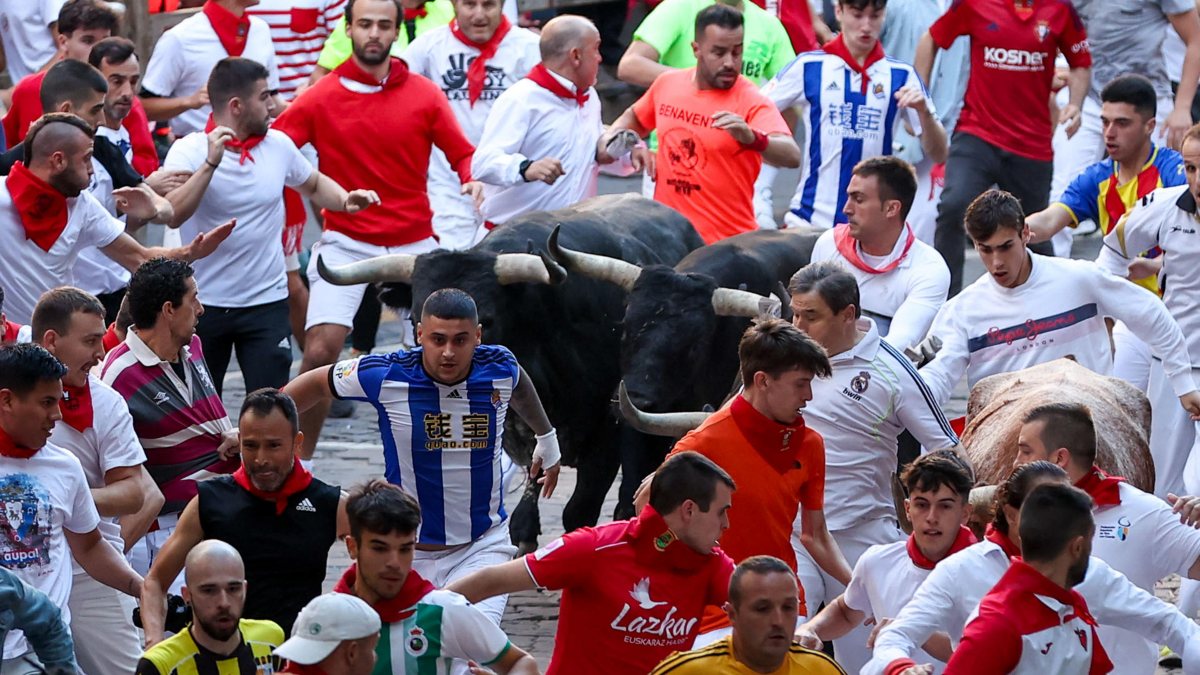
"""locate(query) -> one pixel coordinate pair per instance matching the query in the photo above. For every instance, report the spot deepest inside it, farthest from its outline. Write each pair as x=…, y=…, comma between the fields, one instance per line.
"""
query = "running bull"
x=565, y=330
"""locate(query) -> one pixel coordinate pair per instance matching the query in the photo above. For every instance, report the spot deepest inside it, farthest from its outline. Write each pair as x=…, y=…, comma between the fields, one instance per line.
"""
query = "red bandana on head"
x=1105, y=490
x=1000, y=539
x=477, y=72
x=397, y=73
x=398, y=608
x=837, y=47
x=76, y=407
x=231, y=29
x=297, y=480
x=778, y=444
x=41, y=208
x=964, y=539
x=848, y=247
x=656, y=545
x=9, y=448
x=545, y=80
x=244, y=146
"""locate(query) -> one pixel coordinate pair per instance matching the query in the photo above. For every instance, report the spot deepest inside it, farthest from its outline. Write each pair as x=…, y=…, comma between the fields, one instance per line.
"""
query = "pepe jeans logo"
x=1032, y=329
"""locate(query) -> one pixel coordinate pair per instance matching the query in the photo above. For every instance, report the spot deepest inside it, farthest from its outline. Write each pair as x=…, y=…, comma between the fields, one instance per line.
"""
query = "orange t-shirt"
x=702, y=171
x=766, y=500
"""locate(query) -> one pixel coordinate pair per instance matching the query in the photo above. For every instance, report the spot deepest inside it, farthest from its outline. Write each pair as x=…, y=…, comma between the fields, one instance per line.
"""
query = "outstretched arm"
x=526, y=403
x=310, y=388
x=510, y=577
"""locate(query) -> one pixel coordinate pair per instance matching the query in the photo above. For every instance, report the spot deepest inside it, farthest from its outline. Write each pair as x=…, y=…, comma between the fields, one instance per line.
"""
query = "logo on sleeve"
x=1119, y=532
x=548, y=549
x=345, y=369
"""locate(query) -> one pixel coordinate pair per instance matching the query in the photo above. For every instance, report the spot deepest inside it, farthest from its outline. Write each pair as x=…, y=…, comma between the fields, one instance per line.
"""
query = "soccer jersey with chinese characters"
x=849, y=114
x=441, y=442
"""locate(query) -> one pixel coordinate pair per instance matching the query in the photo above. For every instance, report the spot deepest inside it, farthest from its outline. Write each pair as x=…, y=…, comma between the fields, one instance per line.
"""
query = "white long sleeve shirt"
x=874, y=394
x=904, y=300
x=530, y=122
x=1165, y=218
x=952, y=591
x=1059, y=311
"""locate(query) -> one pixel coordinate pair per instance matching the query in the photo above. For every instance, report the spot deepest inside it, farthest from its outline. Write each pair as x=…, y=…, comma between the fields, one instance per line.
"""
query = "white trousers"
x=141, y=556
x=106, y=640
x=850, y=650
x=1172, y=438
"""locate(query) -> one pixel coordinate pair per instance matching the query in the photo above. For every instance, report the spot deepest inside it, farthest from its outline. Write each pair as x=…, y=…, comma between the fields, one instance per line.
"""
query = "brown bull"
x=1121, y=412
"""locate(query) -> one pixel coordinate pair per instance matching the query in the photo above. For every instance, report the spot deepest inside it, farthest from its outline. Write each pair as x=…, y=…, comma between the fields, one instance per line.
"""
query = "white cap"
x=324, y=623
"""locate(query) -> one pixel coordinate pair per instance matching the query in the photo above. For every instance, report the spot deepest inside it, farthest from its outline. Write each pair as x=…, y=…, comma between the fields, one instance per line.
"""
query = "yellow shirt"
x=718, y=659
x=180, y=655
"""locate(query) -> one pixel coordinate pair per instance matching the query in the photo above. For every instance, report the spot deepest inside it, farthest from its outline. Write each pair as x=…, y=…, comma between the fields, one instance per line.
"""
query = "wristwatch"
x=523, y=167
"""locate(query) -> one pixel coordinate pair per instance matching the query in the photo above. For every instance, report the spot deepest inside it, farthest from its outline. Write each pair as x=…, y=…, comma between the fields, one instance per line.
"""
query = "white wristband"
x=546, y=449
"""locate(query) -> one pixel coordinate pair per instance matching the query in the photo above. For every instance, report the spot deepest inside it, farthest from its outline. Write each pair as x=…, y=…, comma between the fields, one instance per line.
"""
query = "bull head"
x=510, y=268
x=604, y=268
x=658, y=424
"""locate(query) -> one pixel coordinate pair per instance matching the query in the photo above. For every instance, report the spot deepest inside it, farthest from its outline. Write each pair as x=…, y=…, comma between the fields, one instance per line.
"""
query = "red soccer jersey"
x=1012, y=67
x=632, y=594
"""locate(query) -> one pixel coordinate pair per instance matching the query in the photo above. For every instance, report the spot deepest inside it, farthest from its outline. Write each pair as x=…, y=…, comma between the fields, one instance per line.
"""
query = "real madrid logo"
x=860, y=382
x=662, y=541
x=416, y=643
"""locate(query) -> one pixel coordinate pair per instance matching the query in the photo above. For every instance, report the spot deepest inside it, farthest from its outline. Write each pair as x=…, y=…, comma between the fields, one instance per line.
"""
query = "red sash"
x=231, y=30
x=1105, y=490
x=848, y=247
x=1000, y=539
x=397, y=73
x=9, y=448
x=778, y=444
x=41, y=208
x=545, y=80
x=76, y=407
x=477, y=72
x=414, y=14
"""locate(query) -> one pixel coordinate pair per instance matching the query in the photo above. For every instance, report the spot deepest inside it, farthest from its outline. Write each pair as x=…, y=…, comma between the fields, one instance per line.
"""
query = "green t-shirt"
x=670, y=29
x=442, y=627
x=338, y=48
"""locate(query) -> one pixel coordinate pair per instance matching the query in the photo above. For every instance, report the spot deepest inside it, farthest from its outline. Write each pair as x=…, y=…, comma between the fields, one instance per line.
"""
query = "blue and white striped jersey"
x=441, y=442
x=845, y=120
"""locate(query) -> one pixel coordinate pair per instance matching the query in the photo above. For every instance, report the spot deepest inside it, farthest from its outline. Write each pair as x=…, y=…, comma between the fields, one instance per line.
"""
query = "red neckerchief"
x=655, y=545
x=9, y=448
x=414, y=14
x=397, y=73
x=398, y=608
x=110, y=339
x=477, y=72
x=848, y=247
x=837, y=47
x=11, y=331
x=1147, y=180
x=778, y=444
x=41, y=208
x=1000, y=539
x=231, y=29
x=964, y=539
x=76, y=406
x=297, y=480
x=1104, y=489
x=545, y=80
x=244, y=146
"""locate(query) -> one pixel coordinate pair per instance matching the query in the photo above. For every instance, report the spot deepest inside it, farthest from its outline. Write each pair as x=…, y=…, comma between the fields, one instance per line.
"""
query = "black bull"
x=566, y=334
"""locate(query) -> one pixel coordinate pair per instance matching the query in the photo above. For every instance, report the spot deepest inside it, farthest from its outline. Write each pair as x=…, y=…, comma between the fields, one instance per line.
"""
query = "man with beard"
x=715, y=130
x=96, y=427
x=1033, y=603
x=371, y=96
x=478, y=57
x=218, y=640
x=543, y=141
x=39, y=246
x=239, y=167
x=272, y=511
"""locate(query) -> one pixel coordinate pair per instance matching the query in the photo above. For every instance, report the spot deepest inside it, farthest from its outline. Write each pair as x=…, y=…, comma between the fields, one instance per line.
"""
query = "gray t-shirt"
x=1126, y=37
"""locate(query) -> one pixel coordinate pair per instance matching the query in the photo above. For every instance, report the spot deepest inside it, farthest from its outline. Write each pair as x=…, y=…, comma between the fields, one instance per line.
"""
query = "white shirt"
x=299, y=29
x=95, y=272
x=952, y=591
x=904, y=300
x=1059, y=311
x=1165, y=218
x=530, y=122
x=444, y=59
x=25, y=31
x=248, y=268
x=26, y=271
x=184, y=57
x=884, y=580
x=110, y=444
x=816, y=83
x=874, y=394
x=39, y=498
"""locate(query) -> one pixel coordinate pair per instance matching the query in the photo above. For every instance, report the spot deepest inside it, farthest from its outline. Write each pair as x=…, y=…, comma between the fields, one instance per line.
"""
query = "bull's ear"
x=785, y=302
x=394, y=294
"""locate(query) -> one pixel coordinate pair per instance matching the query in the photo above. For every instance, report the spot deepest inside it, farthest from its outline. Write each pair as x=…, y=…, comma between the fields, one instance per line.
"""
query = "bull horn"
x=732, y=302
x=396, y=267
x=673, y=425
x=613, y=270
x=785, y=302
x=527, y=268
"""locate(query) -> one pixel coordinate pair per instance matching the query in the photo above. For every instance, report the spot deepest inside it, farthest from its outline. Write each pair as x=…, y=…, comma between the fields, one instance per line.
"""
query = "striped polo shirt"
x=299, y=29
x=178, y=421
